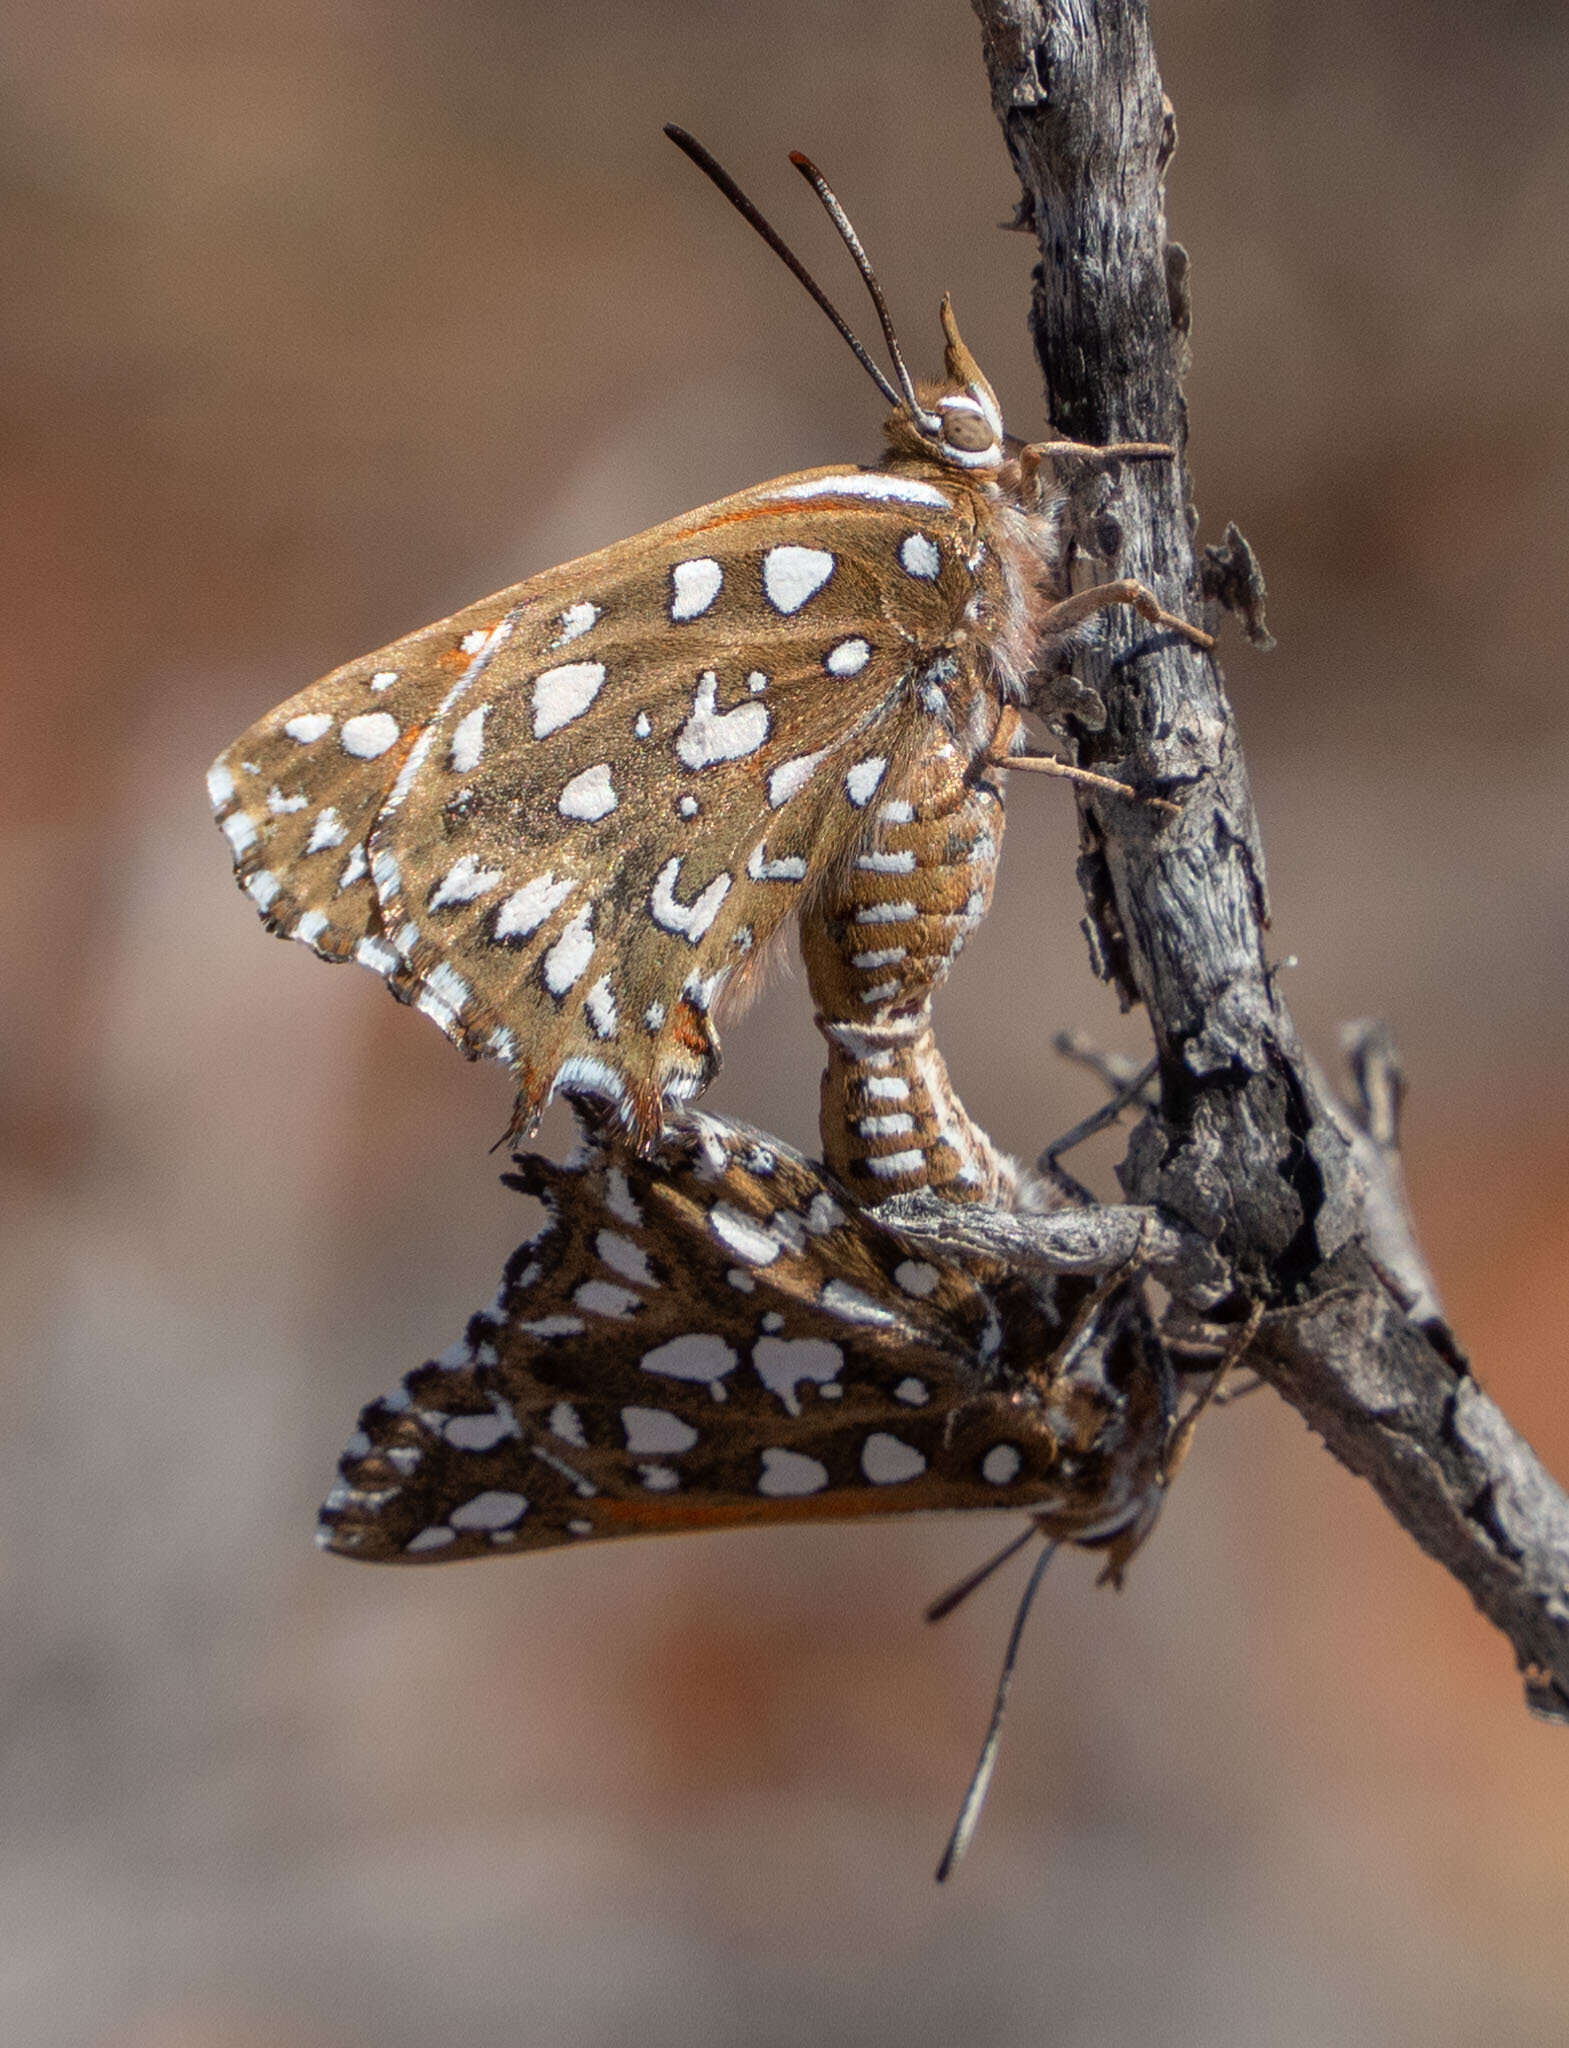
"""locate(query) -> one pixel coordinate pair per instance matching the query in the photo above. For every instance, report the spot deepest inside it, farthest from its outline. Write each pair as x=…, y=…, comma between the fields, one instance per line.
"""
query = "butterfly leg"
x=1010, y=726
x=1084, y=604
x=1048, y=764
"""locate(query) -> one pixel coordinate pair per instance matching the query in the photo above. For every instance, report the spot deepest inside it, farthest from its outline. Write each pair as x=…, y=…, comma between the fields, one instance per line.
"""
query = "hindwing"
x=717, y=1337
x=562, y=819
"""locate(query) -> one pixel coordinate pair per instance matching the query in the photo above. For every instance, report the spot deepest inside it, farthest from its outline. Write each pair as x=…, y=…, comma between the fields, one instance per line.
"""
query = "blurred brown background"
x=323, y=319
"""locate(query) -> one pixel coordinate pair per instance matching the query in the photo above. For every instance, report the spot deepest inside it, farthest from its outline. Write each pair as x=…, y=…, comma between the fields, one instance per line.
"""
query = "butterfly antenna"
x=852, y=242
x=956, y=1595
x=970, y=1812
x=716, y=172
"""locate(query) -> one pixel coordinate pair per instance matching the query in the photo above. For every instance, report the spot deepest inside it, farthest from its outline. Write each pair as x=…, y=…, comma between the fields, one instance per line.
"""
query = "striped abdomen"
x=882, y=937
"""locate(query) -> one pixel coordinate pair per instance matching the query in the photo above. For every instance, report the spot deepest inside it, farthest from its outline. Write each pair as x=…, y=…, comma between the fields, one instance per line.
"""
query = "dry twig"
x=1249, y=1180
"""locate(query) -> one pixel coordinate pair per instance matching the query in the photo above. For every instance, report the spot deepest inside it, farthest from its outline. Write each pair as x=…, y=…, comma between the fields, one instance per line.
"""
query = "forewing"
x=298, y=794
x=708, y=1339
x=587, y=802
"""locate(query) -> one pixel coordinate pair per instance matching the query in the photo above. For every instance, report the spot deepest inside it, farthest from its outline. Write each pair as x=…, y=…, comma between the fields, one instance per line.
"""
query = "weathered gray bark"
x=1248, y=1168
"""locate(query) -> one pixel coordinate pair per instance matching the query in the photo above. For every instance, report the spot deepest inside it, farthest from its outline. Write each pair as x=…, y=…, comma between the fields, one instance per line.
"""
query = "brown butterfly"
x=714, y=1336
x=568, y=820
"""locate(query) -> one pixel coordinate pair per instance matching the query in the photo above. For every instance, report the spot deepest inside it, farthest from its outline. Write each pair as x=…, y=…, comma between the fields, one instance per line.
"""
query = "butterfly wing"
x=563, y=819
x=715, y=1338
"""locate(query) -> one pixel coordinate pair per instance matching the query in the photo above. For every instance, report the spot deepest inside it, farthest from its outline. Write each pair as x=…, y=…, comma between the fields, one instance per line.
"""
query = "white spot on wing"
x=918, y=556
x=915, y=1277
x=619, y=1201
x=690, y=920
x=759, y=1247
x=792, y=575
x=562, y=694
x=693, y=588
x=431, y=1539
x=369, y=735
x=848, y=658
x=481, y=1432
x=240, y=832
x=787, y=1472
x=842, y=1299
x=710, y=735
x=604, y=1298
x=601, y=1007
x=220, y=785
x=493, y=1510
x=781, y=1363
x=526, y=909
x=554, y=1326
x=445, y=995
x=790, y=867
x=590, y=1077
x=329, y=830
x=869, y=483
x=566, y=1424
x=1001, y=1464
x=656, y=1431
x=619, y=1253
x=589, y=795
x=464, y=881
x=887, y=1460
x=694, y=1357
x=308, y=727
x=864, y=778
x=468, y=740
x=791, y=777
x=912, y=1392
x=575, y=621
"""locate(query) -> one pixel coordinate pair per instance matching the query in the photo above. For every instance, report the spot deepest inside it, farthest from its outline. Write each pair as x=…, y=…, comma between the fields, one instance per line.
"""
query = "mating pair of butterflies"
x=566, y=822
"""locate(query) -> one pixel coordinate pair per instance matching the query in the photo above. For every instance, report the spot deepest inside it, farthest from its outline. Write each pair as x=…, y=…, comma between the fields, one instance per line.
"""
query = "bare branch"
x=1248, y=1156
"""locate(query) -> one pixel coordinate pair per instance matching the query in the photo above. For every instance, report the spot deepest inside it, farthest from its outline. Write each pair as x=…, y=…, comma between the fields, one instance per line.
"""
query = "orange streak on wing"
x=656, y=1516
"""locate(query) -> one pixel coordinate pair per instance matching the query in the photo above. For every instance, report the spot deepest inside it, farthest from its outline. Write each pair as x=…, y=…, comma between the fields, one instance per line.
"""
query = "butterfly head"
x=958, y=422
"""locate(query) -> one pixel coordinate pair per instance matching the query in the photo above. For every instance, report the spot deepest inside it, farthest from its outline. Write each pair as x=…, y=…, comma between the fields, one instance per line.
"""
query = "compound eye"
x=966, y=431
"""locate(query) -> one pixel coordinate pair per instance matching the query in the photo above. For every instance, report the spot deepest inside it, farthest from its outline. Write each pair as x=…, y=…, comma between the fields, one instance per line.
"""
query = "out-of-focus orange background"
x=323, y=319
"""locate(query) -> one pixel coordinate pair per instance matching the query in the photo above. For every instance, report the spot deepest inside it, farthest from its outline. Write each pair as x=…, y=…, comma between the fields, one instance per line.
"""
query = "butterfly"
x=567, y=821
x=713, y=1336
